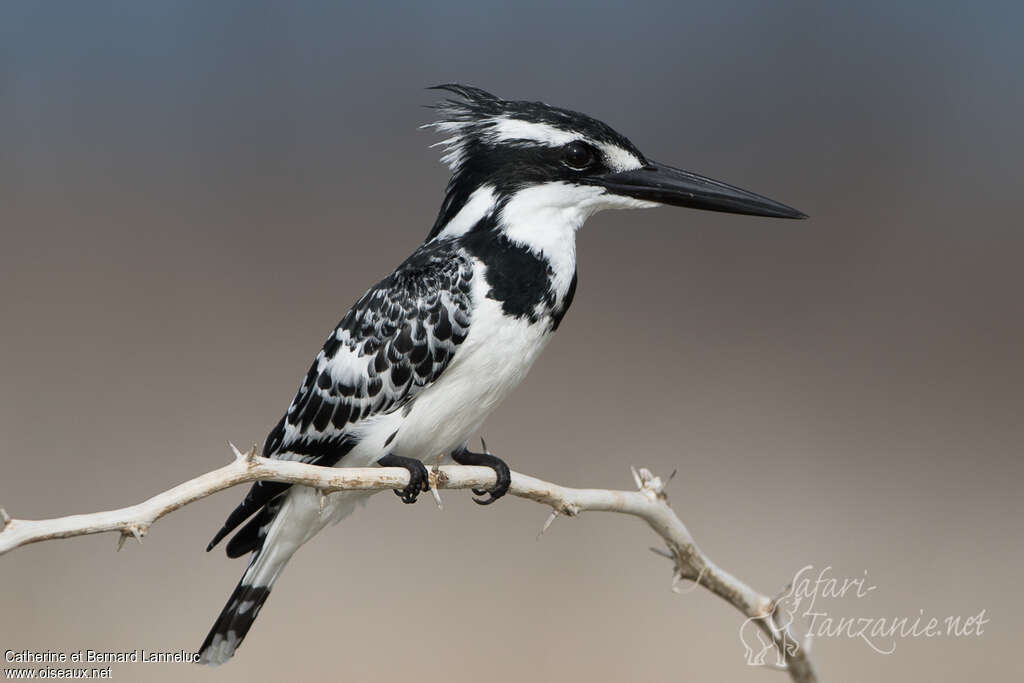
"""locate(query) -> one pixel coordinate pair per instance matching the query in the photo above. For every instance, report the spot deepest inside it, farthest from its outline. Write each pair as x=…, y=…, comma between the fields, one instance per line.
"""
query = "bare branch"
x=648, y=503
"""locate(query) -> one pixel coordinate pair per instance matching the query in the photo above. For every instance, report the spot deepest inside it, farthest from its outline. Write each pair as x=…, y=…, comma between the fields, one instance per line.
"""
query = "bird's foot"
x=485, y=459
x=419, y=479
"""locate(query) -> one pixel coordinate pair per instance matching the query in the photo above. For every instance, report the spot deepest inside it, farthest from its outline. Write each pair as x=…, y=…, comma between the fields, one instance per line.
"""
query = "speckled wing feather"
x=397, y=340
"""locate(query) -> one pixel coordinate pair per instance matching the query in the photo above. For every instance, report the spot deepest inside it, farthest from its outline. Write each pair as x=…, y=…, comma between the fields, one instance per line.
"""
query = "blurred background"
x=192, y=194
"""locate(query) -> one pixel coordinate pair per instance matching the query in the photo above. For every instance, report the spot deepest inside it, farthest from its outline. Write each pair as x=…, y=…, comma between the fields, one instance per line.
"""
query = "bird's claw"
x=498, y=490
x=501, y=472
x=493, y=497
x=419, y=479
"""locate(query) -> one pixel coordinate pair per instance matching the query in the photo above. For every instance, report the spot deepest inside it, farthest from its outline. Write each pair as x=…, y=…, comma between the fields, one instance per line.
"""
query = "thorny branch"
x=649, y=503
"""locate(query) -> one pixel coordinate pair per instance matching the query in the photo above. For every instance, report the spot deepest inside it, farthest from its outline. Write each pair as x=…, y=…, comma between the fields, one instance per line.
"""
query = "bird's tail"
x=244, y=604
x=289, y=522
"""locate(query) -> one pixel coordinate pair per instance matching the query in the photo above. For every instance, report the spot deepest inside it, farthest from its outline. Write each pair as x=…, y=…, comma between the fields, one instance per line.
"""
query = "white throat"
x=544, y=218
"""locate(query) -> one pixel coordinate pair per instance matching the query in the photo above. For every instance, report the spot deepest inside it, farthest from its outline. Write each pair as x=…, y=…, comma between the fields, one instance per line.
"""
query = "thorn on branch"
x=551, y=518
x=249, y=456
x=678, y=578
x=677, y=571
x=434, y=475
x=649, y=483
x=663, y=553
x=636, y=477
x=136, y=530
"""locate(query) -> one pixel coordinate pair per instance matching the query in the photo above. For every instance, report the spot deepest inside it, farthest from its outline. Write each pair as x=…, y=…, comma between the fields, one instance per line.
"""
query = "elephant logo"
x=757, y=644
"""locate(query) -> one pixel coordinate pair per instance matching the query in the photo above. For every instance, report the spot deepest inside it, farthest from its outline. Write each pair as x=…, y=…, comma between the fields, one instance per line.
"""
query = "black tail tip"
x=233, y=624
x=218, y=537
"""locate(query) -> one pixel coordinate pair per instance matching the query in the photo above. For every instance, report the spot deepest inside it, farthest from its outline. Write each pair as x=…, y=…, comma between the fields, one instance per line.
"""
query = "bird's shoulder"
x=395, y=341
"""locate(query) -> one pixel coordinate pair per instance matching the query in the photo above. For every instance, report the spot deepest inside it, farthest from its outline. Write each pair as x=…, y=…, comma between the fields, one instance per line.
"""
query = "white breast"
x=493, y=359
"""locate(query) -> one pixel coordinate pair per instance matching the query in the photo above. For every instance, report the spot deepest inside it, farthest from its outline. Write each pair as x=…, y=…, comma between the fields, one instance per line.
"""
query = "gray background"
x=191, y=195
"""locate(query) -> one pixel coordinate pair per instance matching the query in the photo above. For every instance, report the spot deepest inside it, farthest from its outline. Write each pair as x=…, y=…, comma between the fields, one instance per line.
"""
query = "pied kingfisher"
x=412, y=371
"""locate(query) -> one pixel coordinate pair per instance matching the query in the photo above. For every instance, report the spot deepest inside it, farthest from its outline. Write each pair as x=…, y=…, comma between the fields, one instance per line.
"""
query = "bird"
x=424, y=356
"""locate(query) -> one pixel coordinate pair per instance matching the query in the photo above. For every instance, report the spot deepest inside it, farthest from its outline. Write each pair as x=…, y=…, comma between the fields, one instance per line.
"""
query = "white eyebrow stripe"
x=507, y=129
x=504, y=129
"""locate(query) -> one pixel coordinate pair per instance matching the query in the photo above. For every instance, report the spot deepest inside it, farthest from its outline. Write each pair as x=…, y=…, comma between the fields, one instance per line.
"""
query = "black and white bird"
x=419, y=362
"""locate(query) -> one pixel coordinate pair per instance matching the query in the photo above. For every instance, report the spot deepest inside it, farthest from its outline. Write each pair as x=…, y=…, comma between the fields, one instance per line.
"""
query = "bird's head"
x=529, y=160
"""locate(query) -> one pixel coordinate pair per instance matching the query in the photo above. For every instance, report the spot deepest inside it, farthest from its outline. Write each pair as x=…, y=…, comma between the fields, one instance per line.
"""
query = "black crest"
x=477, y=110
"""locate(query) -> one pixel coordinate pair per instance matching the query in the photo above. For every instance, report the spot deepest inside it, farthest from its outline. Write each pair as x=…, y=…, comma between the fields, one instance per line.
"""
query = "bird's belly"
x=494, y=358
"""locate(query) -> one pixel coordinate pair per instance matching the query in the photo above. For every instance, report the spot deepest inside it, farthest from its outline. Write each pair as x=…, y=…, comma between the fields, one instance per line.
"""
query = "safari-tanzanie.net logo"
x=802, y=613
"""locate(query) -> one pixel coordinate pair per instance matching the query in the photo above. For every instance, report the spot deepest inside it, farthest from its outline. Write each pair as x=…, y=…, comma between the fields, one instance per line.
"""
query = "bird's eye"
x=578, y=155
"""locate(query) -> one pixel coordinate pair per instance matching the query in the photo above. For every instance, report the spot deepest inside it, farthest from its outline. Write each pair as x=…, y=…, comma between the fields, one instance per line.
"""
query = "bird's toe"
x=419, y=478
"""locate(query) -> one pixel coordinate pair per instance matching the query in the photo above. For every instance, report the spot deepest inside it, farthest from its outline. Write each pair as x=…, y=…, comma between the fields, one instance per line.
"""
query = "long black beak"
x=666, y=185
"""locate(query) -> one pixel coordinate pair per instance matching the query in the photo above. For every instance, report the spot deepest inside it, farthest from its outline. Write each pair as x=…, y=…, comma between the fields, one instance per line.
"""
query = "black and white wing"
x=397, y=340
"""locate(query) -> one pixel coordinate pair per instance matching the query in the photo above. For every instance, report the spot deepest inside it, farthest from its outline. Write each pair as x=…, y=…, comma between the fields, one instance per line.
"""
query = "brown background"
x=191, y=196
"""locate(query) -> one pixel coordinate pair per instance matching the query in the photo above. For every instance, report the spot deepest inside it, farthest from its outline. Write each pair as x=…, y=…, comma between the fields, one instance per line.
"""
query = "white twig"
x=648, y=503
